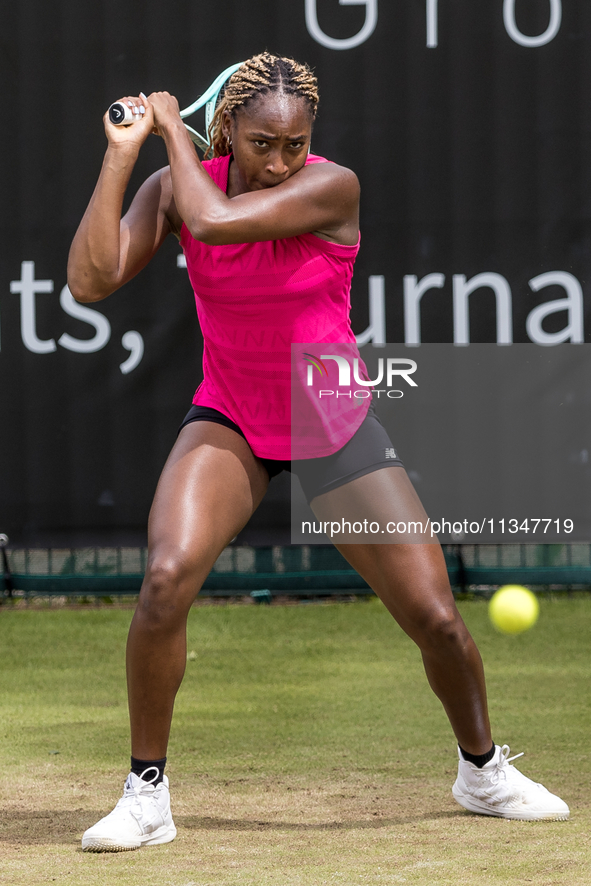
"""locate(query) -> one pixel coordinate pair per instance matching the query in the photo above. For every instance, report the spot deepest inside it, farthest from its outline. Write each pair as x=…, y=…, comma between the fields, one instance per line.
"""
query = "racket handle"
x=121, y=115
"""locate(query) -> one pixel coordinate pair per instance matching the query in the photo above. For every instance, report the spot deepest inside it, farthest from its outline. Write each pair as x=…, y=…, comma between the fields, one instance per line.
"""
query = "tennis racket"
x=122, y=115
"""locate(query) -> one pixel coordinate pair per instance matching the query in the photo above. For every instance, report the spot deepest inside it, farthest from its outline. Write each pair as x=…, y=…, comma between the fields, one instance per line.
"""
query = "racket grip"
x=121, y=115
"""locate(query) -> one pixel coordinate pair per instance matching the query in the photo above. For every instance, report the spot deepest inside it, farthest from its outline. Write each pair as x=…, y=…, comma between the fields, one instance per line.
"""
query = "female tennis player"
x=270, y=234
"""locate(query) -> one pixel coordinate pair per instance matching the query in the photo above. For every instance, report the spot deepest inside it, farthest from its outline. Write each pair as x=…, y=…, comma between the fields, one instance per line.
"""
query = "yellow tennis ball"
x=513, y=609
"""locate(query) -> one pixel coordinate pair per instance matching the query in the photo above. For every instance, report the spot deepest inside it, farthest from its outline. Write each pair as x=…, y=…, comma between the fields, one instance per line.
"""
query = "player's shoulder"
x=328, y=166
x=333, y=173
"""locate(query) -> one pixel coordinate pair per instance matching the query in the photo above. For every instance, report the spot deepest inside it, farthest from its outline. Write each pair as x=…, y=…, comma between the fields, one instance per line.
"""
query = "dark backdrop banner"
x=467, y=123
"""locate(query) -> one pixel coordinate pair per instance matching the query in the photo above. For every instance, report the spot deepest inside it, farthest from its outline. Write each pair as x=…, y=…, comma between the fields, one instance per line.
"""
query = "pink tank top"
x=253, y=301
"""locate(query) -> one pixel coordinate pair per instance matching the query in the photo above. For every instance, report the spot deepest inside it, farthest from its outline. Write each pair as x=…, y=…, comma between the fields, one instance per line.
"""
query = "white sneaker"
x=500, y=789
x=141, y=818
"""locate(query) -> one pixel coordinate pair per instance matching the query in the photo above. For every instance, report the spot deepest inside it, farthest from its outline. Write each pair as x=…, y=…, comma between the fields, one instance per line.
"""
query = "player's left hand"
x=165, y=108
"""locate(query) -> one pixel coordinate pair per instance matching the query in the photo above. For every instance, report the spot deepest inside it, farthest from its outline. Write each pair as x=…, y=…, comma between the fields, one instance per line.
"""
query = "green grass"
x=306, y=749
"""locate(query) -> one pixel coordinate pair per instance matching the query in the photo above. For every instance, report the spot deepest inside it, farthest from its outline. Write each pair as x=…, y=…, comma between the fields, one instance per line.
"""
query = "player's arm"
x=108, y=250
x=321, y=198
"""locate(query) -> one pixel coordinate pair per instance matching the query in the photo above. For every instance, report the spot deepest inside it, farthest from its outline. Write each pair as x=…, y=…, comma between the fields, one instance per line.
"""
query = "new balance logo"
x=390, y=453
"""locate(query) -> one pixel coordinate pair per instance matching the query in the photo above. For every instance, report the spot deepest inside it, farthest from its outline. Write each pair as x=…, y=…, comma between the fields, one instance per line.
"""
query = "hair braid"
x=260, y=75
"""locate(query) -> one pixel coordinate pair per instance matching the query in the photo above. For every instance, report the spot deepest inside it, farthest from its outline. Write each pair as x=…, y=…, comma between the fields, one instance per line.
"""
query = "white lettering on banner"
x=134, y=343
x=462, y=289
x=86, y=315
x=371, y=19
x=432, y=24
x=548, y=35
x=413, y=293
x=27, y=287
x=573, y=304
x=432, y=30
x=376, y=331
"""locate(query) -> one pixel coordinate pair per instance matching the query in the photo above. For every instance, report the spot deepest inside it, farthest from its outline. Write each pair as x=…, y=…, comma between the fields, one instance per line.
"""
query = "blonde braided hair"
x=260, y=75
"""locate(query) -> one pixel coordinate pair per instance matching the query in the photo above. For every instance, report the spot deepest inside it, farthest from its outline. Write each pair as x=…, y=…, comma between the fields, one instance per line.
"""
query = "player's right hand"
x=134, y=133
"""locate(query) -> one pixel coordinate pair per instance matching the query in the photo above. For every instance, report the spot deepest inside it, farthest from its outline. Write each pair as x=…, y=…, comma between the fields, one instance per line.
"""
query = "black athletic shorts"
x=368, y=450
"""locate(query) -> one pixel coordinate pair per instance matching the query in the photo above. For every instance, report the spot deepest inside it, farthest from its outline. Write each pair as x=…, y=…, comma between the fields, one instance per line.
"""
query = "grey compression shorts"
x=368, y=450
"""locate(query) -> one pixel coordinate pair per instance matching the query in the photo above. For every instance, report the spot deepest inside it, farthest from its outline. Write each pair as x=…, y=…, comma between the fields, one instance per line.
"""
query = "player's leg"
x=209, y=488
x=412, y=582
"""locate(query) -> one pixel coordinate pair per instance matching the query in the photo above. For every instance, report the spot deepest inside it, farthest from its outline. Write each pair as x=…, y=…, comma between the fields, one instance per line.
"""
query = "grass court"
x=307, y=749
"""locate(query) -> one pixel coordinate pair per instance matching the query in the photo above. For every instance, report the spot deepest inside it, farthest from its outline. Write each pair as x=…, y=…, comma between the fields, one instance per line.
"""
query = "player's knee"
x=164, y=574
x=167, y=591
x=443, y=627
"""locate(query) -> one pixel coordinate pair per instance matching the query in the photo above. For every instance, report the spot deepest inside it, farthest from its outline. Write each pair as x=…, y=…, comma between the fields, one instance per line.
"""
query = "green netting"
x=295, y=570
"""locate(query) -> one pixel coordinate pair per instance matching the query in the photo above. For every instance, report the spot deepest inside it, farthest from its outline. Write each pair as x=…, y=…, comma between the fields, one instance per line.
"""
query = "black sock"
x=140, y=766
x=479, y=760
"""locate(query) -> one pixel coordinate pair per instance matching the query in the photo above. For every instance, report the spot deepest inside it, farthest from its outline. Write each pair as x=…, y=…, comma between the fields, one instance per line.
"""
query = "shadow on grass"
x=44, y=828
x=63, y=827
x=204, y=823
